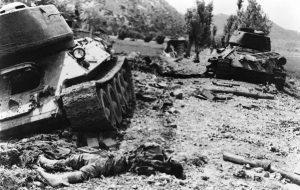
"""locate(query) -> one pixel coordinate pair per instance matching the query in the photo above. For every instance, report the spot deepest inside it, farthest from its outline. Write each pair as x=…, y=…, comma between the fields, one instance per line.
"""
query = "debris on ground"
x=193, y=131
x=262, y=165
x=206, y=94
x=256, y=95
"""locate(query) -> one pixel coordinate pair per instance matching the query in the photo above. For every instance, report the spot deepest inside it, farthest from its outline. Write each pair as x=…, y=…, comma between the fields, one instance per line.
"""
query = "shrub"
x=135, y=34
x=148, y=38
x=122, y=34
x=125, y=33
x=160, y=39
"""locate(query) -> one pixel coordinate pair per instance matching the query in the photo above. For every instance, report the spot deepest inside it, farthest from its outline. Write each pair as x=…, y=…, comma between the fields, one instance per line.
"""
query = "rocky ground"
x=193, y=127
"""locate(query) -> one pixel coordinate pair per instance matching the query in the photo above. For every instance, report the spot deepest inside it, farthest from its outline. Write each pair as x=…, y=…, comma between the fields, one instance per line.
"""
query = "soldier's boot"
x=51, y=164
x=63, y=179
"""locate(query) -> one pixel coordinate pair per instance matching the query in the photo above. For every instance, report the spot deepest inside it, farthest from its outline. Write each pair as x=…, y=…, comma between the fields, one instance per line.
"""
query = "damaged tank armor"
x=48, y=79
x=249, y=58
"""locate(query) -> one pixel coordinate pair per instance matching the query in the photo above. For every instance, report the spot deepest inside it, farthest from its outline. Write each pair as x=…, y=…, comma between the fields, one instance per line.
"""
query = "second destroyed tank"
x=249, y=58
x=49, y=80
x=176, y=47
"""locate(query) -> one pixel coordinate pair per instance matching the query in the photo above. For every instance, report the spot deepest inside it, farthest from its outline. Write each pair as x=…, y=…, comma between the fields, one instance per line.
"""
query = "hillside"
x=142, y=16
x=147, y=15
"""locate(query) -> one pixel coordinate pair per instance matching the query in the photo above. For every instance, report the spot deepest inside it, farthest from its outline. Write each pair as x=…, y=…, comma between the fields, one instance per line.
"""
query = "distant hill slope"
x=142, y=16
x=277, y=32
x=147, y=15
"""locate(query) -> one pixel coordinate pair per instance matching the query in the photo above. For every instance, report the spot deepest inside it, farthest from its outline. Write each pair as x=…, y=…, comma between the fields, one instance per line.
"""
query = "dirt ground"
x=193, y=131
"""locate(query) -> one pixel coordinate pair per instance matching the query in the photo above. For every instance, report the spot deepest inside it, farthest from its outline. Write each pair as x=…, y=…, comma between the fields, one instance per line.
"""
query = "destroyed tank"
x=176, y=47
x=50, y=80
x=249, y=58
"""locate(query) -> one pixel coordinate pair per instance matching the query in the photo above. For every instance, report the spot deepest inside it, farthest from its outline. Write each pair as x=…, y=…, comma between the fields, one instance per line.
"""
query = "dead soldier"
x=145, y=160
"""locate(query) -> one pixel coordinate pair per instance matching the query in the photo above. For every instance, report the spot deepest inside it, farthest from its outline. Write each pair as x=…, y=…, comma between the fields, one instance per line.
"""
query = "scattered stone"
x=173, y=111
x=258, y=170
x=240, y=174
x=257, y=178
x=38, y=184
x=285, y=181
x=267, y=174
x=278, y=176
x=177, y=94
x=145, y=97
x=167, y=103
x=274, y=149
x=247, y=167
x=181, y=183
x=199, y=160
x=172, y=125
x=292, y=81
x=208, y=94
x=162, y=85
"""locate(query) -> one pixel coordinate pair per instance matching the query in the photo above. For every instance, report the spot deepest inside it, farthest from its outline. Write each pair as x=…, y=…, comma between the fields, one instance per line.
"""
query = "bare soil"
x=194, y=131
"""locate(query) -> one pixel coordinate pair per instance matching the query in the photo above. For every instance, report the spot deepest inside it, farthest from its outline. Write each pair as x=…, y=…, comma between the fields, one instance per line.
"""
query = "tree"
x=198, y=23
x=252, y=17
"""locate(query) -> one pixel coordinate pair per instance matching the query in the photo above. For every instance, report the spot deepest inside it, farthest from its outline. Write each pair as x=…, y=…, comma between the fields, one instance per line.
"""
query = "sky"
x=286, y=13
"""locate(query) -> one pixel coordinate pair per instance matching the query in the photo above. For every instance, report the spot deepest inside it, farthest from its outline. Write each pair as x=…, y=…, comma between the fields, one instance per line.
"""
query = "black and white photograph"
x=150, y=94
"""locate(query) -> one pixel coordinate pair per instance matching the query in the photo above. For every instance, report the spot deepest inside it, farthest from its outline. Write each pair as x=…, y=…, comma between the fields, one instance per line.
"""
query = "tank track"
x=101, y=105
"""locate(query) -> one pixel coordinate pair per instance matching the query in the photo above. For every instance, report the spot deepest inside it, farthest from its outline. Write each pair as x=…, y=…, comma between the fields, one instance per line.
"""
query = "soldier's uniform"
x=145, y=160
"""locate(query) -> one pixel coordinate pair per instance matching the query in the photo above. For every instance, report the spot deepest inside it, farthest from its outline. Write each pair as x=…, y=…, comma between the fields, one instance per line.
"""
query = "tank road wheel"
x=121, y=98
x=279, y=83
x=124, y=93
x=128, y=89
x=116, y=107
x=107, y=107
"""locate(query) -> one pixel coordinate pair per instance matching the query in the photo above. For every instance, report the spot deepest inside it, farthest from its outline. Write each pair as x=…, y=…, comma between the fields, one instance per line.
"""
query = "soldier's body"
x=145, y=160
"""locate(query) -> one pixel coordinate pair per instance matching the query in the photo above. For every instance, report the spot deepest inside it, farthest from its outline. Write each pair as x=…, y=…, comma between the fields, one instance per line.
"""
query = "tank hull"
x=249, y=58
x=46, y=84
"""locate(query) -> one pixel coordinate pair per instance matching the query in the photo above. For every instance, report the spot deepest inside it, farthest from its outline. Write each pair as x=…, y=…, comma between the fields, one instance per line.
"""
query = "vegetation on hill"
x=276, y=33
x=251, y=17
x=199, y=21
x=139, y=16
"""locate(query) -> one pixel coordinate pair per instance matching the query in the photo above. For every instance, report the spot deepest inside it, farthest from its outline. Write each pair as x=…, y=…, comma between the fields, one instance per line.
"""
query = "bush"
x=149, y=37
x=160, y=39
x=135, y=34
x=125, y=33
x=122, y=34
